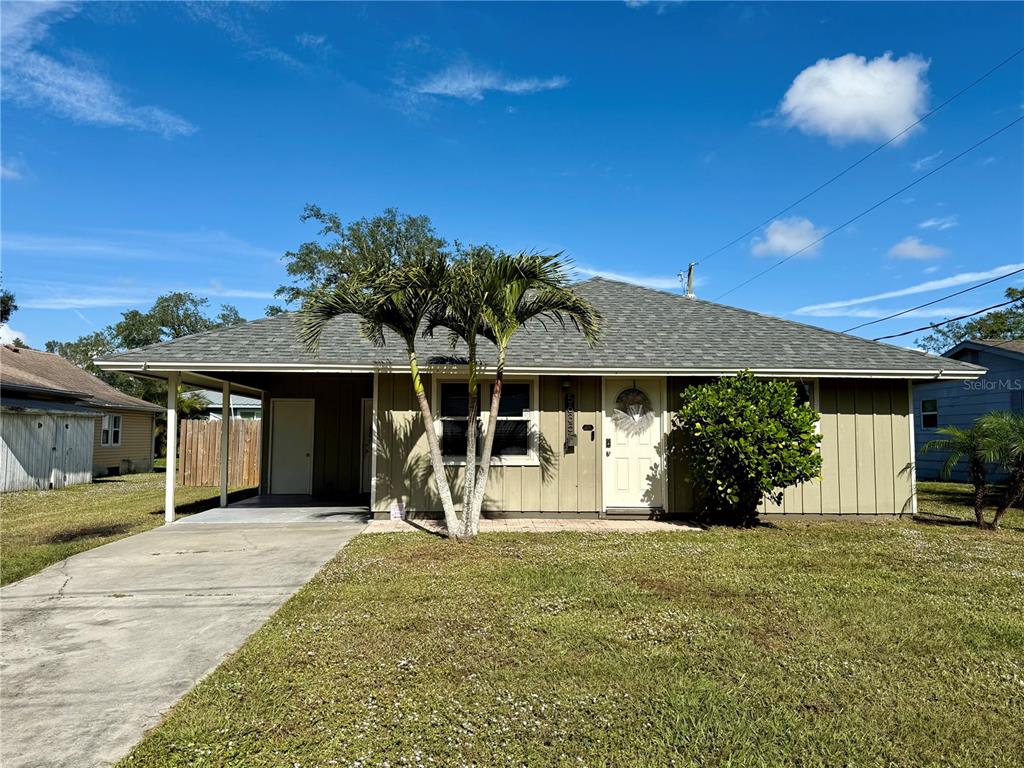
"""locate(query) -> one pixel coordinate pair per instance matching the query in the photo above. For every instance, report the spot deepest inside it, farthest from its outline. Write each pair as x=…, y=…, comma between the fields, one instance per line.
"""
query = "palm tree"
x=392, y=277
x=498, y=295
x=970, y=444
x=1003, y=444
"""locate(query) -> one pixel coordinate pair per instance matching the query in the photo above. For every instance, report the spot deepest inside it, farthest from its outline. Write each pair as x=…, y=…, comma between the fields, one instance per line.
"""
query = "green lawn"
x=38, y=528
x=822, y=643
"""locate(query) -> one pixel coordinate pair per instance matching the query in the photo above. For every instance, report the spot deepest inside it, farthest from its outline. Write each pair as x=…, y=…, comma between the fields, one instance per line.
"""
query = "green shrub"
x=745, y=439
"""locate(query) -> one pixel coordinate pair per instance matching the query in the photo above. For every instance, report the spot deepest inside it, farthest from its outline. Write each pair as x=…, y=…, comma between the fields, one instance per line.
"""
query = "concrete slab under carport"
x=258, y=510
x=95, y=649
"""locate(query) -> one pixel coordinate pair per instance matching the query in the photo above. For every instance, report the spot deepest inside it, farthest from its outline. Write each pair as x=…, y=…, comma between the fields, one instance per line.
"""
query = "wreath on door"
x=633, y=414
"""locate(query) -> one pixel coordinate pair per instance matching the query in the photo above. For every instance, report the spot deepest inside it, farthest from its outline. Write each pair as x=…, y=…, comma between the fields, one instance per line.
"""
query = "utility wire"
x=946, y=322
x=865, y=212
x=870, y=154
x=936, y=301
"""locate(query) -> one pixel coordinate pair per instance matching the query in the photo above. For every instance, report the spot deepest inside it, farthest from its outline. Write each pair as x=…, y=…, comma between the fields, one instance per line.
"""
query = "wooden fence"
x=199, y=453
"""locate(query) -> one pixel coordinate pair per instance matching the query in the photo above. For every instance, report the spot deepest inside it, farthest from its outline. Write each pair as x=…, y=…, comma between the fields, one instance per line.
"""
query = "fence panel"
x=199, y=453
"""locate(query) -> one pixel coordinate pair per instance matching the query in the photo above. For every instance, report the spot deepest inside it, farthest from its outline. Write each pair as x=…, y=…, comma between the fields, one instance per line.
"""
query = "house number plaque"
x=570, y=422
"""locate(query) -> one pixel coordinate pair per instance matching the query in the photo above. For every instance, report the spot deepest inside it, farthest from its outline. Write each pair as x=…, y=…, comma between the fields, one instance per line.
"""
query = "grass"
x=882, y=643
x=38, y=528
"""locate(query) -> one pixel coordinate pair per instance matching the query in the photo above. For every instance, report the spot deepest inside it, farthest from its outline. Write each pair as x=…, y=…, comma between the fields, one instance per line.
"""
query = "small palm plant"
x=968, y=444
x=1003, y=444
x=494, y=296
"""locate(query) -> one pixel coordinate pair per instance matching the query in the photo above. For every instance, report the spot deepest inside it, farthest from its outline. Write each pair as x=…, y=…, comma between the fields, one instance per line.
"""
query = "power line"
x=870, y=154
x=946, y=322
x=936, y=301
x=865, y=212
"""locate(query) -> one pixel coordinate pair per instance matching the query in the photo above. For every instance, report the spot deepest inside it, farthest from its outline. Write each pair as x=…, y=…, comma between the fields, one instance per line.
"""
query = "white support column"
x=171, y=475
x=225, y=441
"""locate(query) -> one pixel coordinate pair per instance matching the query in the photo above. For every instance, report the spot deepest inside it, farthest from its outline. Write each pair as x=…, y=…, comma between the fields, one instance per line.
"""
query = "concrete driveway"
x=95, y=649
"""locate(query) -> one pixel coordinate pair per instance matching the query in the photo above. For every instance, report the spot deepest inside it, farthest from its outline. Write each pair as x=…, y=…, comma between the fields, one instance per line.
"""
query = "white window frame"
x=532, y=457
x=109, y=424
x=934, y=413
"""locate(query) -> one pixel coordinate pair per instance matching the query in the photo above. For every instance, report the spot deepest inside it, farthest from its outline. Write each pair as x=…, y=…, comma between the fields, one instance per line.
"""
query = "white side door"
x=634, y=429
x=291, y=446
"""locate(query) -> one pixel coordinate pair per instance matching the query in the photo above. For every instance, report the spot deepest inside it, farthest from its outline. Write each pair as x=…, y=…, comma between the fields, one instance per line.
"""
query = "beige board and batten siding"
x=865, y=449
x=563, y=481
x=337, y=451
x=134, y=454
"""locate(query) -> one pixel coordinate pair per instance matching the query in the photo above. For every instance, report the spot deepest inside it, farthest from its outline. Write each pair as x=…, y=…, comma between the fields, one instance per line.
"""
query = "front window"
x=110, y=431
x=454, y=412
x=929, y=414
x=515, y=429
x=512, y=435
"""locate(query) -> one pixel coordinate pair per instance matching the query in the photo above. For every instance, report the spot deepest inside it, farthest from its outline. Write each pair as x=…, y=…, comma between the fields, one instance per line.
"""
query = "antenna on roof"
x=689, y=280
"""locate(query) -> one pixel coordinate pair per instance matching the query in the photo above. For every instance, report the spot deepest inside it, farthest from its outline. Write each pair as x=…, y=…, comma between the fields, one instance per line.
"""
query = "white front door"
x=634, y=429
x=366, y=442
x=291, y=446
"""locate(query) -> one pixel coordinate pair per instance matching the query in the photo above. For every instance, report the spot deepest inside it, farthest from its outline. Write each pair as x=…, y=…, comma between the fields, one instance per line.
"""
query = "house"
x=961, y=403
x=62, y=425
x=343, y=424
x=241, y=407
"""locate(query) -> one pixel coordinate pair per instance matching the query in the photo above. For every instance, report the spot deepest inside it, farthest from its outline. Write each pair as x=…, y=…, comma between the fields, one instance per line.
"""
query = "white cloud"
x=139, y=244
x=940, y=222
x=869, y=313
x=914, y=248
x=472, y=83
x=84, y=302
x=76, y=90
x=850, y=98
x=925, y=162
x=8, y=335
x=784, y=237
x=9, y=173
x=953, y=281
x=931, y=270
x=315, y=42
x=660, y=282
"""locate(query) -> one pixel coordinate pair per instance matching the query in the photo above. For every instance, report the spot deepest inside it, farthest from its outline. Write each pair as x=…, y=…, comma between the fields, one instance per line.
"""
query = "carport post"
x=225, y=441
x=171, y=475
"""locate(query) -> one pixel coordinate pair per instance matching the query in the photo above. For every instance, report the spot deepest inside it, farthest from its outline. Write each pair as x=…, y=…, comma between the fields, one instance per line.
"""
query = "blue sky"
x=156, y=147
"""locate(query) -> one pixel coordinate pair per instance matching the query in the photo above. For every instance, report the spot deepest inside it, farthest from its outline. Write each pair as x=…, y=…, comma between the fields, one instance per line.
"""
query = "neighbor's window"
x=110, y=430
x=929, y=414
x=454, y=413
x=512, y=437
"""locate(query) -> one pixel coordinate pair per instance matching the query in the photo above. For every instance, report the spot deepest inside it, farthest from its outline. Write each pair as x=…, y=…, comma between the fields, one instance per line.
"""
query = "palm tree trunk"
x=471, y=431
x=477, y=504
x=980, y=490
x=1014, y=493
x=451, y=519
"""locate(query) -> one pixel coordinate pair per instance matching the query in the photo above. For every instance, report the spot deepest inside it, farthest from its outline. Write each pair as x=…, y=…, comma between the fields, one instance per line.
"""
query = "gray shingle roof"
x=643, y=329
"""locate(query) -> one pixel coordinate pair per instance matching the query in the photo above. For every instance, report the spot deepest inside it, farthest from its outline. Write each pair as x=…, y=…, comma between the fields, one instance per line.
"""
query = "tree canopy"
x=172, y=315
x=1004, y=324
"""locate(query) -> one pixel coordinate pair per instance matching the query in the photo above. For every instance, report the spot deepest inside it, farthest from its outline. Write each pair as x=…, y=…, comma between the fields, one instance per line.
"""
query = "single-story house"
x=94, y=428
x=961, y=403
x=342, y=423
x=241, y=407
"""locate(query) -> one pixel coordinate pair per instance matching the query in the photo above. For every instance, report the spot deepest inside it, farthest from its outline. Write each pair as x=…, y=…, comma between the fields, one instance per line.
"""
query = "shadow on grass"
x=88, y=532
x=934, y=518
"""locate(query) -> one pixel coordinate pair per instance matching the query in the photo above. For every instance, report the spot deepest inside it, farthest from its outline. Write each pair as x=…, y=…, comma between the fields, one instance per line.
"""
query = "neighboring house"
x=961, y=403
x=343, y=424
x=120, y=427
x=241, y=407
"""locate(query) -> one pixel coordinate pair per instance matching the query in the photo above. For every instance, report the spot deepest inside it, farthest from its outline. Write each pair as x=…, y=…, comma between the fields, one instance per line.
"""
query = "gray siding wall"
x=42, y=450
x=961, y=403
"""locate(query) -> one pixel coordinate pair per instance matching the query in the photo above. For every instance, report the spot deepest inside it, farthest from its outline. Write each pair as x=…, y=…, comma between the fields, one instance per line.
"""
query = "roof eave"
x=155, y=368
